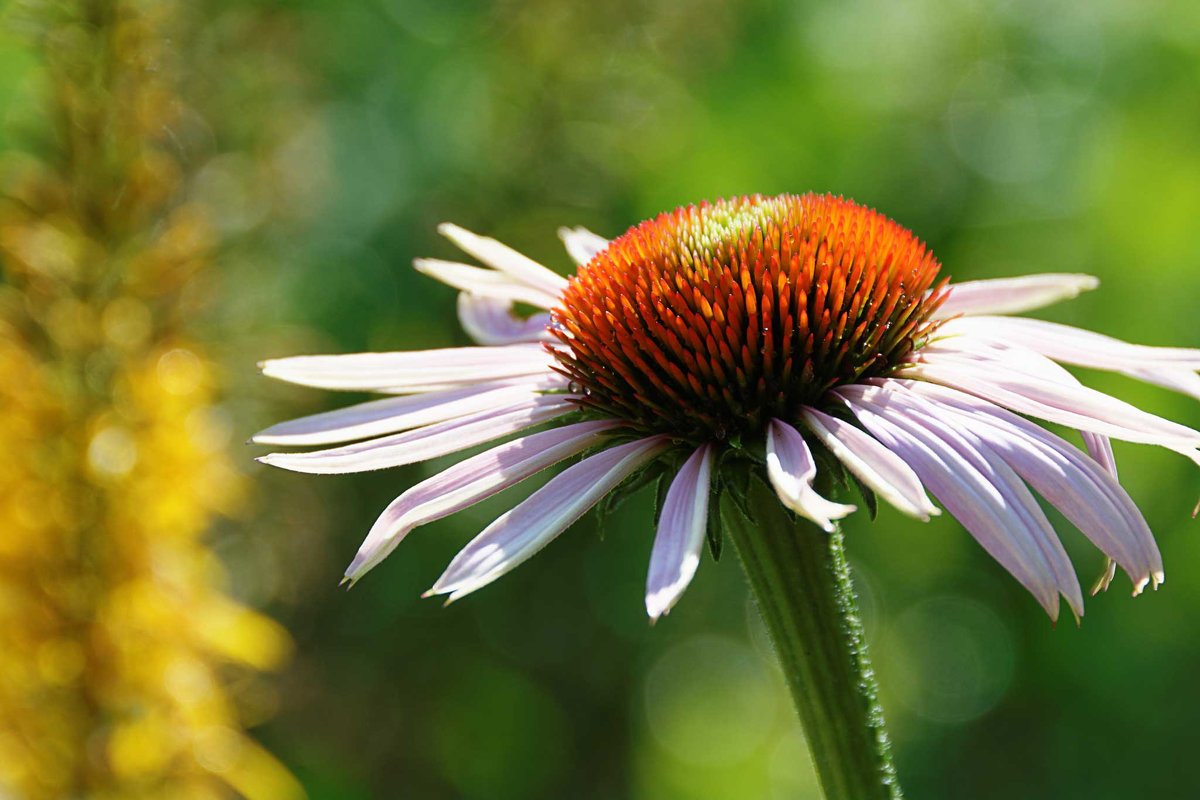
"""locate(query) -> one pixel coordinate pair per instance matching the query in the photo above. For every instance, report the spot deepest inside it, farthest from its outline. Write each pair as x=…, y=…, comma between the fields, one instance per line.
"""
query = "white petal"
x=1101, y=450
x=582, y=245
x=1178, y=380
x=484, y=282
x=521, y=532
x=881, y=470
x=1071, y=345
x=967, y=485
x=392, y=414
x=681, y=531
x=791, y=468
x=395, y=371
x=1080, y=487
x=429, y=442
x=1076, y=406
x=504, y=258
x=1013, y=295
x=469, y=482
x=490, y=321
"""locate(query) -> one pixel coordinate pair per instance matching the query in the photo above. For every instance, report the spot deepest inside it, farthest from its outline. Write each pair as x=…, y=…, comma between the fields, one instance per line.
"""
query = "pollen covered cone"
x=709, y=320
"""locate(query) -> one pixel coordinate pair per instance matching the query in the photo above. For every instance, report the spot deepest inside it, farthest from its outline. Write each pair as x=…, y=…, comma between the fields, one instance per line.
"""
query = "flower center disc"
x=709, y=320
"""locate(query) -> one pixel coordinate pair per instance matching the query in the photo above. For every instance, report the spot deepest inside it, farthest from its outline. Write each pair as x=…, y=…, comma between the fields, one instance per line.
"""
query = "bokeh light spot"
x=949, y=658
x=710, y=701
x=179, y=371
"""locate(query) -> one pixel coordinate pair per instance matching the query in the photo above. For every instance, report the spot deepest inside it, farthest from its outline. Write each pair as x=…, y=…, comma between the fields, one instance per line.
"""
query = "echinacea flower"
x=800, y=330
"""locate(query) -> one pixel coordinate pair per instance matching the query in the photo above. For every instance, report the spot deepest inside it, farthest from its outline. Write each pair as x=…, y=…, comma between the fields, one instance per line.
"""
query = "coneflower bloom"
x=798, y=330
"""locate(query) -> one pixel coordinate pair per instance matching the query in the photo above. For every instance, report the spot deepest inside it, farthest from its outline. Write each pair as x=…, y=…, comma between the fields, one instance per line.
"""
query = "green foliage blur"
x=1014, y=137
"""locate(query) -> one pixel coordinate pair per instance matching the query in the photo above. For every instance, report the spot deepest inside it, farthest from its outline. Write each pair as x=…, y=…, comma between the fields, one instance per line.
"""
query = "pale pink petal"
x=582, y=245
x=429, y=442
x=417, y=368
x=471, y=481
x=1005, y=356
x=504, y=258
x=1081, y=488
x=484, y=282
x=880, y=470
x=521, y=532
x=791, y=468
x=1013, y=295
x=1178, y=380
x=1101, y=450
x=1076, y=406
x=1071, y=345
x=681, y=532
x=491, y=322
x=392, y=414
x=966, y=484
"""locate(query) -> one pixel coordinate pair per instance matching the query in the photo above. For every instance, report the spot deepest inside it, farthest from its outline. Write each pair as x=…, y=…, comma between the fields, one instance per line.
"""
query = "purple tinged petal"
x=881, y=470
x=394, y=371
x=1075, y=406
x=1081, y=488
x=582, y=245
x=491, y=322
x=791, y=468
x=524, y=530
x=1071, y=345
x=392, y=414
x=1176, y=380
x=429, y=442
x=681, y=533
x=483, y=282
x=505, y=259
x=471, y=481
x=1013, y=295
x=966, y=484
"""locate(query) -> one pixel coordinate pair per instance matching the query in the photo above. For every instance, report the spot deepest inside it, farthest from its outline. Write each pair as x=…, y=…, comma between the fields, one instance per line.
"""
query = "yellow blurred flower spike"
x=117, y=638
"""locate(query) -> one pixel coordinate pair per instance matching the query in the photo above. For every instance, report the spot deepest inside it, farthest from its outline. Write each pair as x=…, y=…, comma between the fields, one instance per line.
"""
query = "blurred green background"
x=1014, y=137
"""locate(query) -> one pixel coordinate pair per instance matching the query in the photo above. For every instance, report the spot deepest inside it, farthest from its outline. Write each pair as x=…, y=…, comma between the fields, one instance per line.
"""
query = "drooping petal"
x=392, y=414
x=966, y=484
x=881, y=470
x=582, y=245
x=1076, y=406
x=681, y=533
x=1177, y=380
x=1071, y=345
x=791, y=468
x=504, y=258
x=974, y=351
x=429, y=442
x=490, y=321
x=521, y=532
x=1013, y=295
x=1080, y=487
x=395, y=371
x=471, y=481
x=1101, y=450
x=483, y=282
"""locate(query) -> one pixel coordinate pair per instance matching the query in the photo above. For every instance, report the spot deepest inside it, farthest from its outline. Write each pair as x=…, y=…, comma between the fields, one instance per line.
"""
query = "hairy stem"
x=802, y=585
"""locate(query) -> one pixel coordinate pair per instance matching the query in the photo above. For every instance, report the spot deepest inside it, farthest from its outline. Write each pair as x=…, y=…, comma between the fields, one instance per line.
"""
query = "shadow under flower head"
x=787, y=325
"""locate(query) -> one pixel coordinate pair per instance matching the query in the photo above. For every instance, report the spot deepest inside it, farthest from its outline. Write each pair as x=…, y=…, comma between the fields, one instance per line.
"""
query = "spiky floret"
x=710, y=320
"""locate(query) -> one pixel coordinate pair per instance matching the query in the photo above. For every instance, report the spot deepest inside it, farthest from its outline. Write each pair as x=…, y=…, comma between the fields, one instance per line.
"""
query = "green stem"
x=801, y=582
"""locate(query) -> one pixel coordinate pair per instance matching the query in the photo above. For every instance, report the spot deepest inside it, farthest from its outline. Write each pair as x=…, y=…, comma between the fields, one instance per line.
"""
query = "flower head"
x=780, y=328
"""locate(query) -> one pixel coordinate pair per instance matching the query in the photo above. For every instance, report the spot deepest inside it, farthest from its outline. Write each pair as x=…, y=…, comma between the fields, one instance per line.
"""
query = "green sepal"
x=869, y=498
x=713, y=531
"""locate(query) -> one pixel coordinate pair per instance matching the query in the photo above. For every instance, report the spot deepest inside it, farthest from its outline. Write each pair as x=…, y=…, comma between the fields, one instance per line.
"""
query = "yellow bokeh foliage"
x=119, y=645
